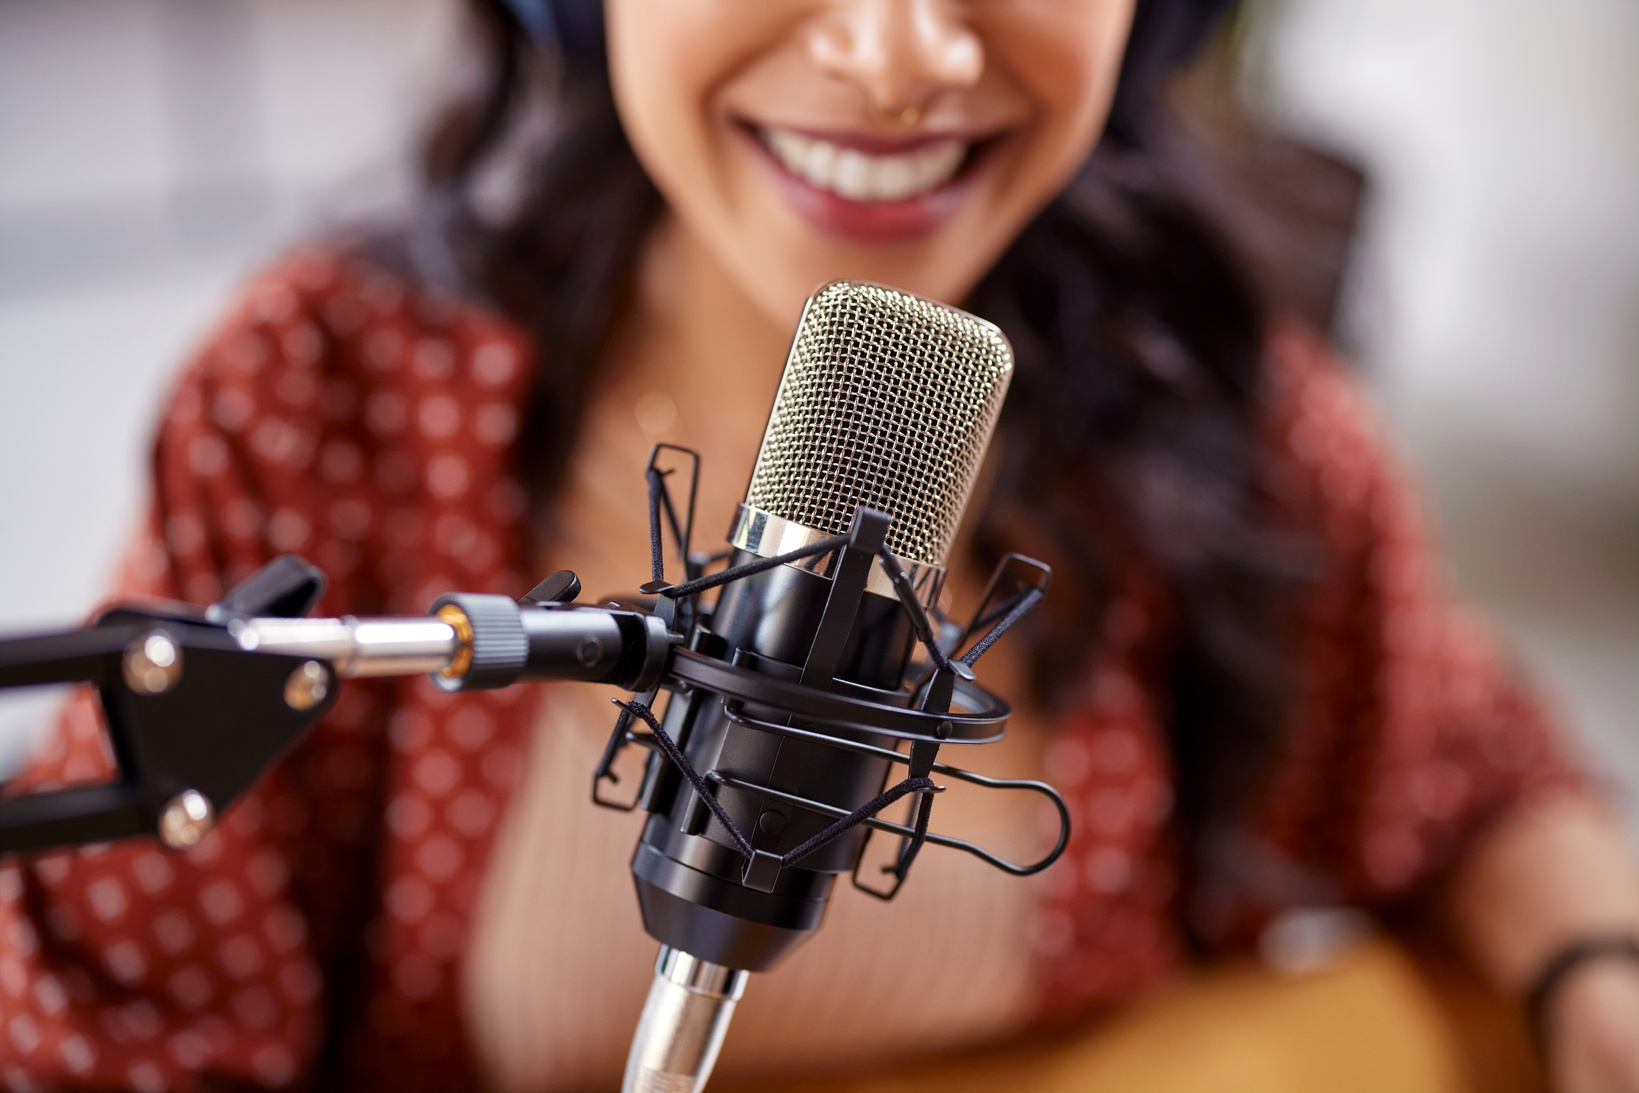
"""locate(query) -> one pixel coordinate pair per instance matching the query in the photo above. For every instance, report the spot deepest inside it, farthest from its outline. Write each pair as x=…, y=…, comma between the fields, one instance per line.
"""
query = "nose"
x=901, y=53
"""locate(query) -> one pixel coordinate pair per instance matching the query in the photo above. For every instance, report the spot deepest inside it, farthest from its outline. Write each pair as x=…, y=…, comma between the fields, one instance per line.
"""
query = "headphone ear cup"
x=573, y=26
x=534, y=17
x=580, y=28
x=1165, y=35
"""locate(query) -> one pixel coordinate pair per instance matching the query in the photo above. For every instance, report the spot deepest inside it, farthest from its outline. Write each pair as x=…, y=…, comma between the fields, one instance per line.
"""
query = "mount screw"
x=186, y=818
x=153, y=663
x=307, y=686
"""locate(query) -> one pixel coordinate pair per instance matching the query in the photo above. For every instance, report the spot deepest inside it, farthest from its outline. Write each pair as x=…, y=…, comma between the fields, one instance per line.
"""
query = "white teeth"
x=787, y=145
x=863, y=176
x=897, y=175
x=820, y=161
x=853, y=176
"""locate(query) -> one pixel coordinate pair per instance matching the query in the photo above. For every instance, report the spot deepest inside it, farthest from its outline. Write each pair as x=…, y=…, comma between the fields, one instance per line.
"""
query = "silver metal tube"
x=684, y=1021
x=766, y=535
x=356, y=647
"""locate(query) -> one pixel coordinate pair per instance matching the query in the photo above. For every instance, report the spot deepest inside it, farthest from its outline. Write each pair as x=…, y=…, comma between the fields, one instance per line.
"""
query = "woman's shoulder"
x=326, y=343
x=340, y=411
x=1328, y=461
x=328, y=307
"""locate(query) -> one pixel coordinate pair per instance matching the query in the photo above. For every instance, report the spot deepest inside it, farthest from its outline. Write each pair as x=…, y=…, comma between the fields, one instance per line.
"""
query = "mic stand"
x=171, y=682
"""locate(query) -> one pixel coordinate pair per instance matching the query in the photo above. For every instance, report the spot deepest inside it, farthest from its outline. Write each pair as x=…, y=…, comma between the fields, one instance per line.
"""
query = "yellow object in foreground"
x=1370, y=1023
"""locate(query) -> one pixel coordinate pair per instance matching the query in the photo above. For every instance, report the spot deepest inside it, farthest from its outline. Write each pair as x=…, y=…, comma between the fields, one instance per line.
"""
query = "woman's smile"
x=843, y=166
x=866, y=187
x=906, y=143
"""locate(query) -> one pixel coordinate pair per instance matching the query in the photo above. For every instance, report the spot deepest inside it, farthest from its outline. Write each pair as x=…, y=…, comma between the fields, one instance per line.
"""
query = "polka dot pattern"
x=339, y=413
x=1409, y=730
x=1412, y=727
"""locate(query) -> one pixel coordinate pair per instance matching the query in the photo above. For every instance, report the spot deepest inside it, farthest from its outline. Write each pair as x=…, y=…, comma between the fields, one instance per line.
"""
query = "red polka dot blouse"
x=339, y=413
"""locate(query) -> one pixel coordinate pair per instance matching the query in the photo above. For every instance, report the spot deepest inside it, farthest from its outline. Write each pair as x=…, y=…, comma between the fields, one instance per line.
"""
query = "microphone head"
x=887, y=400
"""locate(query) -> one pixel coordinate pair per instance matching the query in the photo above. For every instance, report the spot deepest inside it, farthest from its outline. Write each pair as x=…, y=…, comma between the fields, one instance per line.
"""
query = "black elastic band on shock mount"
x=703, y=584
x=822, y=839
x=1028, y=600
x=913, y=610
x=913, y=846
x=657, y=495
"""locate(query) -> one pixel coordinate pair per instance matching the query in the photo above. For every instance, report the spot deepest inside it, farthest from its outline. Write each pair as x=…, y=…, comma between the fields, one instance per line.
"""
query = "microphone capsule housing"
x=887, y=402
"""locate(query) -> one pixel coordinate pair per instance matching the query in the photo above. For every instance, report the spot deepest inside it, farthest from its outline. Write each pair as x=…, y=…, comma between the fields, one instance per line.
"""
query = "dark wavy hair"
x=1130, y=424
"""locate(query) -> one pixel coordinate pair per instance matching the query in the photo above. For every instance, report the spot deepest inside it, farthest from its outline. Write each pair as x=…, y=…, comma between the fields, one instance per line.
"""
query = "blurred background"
x=152, y=152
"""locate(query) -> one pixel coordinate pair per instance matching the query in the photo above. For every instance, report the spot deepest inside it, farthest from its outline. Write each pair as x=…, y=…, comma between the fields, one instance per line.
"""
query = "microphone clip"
x=812, y=706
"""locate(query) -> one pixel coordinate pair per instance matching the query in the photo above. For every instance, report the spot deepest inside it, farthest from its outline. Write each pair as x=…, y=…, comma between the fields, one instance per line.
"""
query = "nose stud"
x=903, y=119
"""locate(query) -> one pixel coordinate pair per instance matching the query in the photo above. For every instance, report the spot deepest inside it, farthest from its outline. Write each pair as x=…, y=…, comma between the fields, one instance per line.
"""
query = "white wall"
x=1502, y=265
x=152, y=152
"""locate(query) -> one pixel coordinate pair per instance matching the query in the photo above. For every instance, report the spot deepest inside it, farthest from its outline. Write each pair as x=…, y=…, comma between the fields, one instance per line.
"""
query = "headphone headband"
x=573, y=26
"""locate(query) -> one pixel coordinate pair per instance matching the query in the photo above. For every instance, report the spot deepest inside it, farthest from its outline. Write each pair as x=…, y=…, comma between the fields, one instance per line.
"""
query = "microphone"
x=886, y=406
x=796, y=694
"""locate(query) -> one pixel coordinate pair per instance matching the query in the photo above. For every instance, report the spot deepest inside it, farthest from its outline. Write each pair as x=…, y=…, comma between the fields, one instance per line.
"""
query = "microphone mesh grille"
x=887, y=400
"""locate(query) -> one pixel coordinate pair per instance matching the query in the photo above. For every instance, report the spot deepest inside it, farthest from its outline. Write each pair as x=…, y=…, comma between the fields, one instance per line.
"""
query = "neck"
x=696, y=350
x=691, y=327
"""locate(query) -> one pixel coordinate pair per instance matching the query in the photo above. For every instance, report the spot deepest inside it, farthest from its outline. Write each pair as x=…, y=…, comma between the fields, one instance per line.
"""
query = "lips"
x=869, y=190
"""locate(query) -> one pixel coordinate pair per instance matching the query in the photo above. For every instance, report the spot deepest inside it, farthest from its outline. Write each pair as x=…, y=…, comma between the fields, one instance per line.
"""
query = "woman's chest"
x=559, y=964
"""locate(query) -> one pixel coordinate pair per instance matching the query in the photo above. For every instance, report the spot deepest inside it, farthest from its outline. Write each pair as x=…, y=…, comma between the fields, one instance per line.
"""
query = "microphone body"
x=692, y=884
x=887, y=402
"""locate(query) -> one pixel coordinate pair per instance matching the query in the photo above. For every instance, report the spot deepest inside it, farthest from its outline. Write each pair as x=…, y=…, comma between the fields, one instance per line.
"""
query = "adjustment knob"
x=494, y=646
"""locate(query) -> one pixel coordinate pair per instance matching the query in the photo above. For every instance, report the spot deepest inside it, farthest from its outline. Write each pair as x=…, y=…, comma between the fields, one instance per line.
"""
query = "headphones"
x=575, y=27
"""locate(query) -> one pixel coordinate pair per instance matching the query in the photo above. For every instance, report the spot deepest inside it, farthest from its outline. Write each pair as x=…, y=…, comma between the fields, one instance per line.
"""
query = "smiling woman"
x=1247, y=678
x=902, y=145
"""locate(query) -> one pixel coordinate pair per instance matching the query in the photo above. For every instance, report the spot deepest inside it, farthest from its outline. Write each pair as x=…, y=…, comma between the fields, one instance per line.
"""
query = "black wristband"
x=1567, y=960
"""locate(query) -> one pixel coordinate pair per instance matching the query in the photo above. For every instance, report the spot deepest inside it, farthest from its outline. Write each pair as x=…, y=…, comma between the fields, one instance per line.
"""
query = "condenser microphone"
x=885, y=408
x=791, y=699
